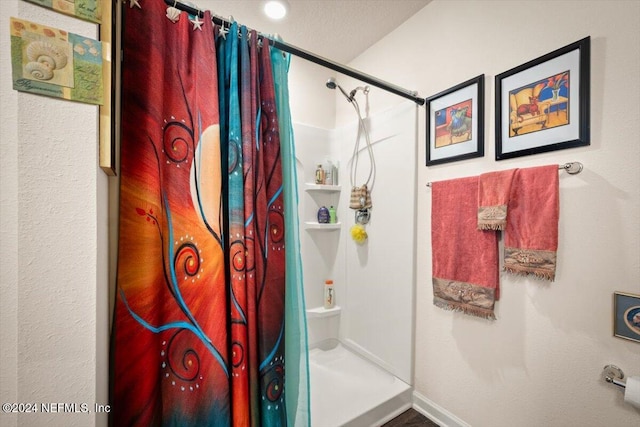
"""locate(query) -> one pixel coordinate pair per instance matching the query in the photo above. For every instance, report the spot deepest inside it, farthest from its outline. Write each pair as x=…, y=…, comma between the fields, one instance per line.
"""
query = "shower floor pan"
x=348, y=390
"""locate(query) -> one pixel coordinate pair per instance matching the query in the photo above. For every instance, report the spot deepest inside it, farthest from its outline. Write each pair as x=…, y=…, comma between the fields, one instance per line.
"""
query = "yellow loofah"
x=358, y=234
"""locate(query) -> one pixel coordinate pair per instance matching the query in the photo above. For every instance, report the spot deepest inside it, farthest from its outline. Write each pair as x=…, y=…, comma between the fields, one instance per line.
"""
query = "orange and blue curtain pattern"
x=198, y=330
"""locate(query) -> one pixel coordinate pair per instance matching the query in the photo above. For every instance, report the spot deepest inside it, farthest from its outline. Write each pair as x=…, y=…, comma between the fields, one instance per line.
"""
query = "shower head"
x=331, y=84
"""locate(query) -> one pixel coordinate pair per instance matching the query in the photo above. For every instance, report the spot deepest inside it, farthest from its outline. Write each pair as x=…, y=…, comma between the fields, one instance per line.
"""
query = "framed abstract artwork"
x=626, y=316
x=455, y=123
x=543, y=105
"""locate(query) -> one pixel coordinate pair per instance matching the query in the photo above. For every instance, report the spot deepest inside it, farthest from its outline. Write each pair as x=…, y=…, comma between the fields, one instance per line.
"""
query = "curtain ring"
x=222, y=31
x=173, y=13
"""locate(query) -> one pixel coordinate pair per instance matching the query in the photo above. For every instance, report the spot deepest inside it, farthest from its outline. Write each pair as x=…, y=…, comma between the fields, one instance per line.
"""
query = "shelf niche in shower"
x=322, y=188
x=310, y=225
x=324, y=312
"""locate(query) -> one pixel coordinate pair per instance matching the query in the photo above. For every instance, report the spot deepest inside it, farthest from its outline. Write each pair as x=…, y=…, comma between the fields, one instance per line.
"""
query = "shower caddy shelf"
x=322, y=188
x=315, y=225
x=324, y=312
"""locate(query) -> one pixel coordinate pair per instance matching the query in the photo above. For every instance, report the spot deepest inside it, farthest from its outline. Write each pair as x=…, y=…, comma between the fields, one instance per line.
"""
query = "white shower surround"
x=372, y=335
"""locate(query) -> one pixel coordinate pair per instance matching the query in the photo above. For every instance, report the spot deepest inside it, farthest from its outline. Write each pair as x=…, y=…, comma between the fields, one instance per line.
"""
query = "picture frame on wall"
x=626, y=316
x=89, y=10
x=53, y=62
x=544, y=104
x=110, y=109
x=455, y=123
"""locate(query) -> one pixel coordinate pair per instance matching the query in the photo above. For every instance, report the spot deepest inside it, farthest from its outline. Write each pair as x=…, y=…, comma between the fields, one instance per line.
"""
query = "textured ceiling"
x=338, y=30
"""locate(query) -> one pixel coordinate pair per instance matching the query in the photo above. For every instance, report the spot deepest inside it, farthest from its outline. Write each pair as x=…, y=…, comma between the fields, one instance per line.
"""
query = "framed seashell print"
x=89, y=10
x=52, y=62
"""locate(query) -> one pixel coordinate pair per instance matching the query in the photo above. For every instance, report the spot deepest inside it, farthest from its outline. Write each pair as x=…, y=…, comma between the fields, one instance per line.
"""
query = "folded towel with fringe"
x=493, y=196
x=465, y=259
x=531, y=234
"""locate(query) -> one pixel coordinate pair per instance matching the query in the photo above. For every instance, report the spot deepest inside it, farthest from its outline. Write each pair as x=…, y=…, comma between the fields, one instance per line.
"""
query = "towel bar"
x=572, y=168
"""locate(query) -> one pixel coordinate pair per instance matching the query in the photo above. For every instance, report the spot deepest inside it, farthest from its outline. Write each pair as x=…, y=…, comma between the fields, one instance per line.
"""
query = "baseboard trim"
x=385, y=411
x=436, y=413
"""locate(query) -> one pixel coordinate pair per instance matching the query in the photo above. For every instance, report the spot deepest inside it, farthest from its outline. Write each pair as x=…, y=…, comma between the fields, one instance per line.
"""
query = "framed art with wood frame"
x=89, y=10
x=543, y=105
x=626, y=316
x=109, y=110
x=455, y=123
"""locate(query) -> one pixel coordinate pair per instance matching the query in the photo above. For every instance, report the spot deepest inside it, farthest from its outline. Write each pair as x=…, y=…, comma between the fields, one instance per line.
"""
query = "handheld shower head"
x=331, y=84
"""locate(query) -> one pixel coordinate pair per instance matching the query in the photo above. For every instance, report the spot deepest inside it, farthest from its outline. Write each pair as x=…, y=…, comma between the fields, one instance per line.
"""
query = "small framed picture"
x=455, y=123
x=626, y=316
x=543, y=105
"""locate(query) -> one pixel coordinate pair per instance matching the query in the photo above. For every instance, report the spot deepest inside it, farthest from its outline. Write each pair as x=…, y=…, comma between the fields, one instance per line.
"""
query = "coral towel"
x=465, y=259
x=531, y=234
x=494, y=189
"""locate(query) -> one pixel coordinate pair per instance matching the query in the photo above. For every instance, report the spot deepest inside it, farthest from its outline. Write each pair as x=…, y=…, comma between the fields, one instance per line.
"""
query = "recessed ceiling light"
x=276, y=9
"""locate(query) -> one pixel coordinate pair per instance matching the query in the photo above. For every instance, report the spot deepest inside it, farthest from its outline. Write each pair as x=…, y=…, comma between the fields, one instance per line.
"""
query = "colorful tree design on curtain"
x=198, y=335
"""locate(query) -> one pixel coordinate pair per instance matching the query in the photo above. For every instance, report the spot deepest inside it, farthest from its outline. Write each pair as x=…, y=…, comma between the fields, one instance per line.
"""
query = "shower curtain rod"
x=571, y=168
x=397, y=90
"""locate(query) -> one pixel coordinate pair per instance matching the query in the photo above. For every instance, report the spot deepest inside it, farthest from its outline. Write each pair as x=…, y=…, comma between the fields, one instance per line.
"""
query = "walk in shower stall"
x=361, y=351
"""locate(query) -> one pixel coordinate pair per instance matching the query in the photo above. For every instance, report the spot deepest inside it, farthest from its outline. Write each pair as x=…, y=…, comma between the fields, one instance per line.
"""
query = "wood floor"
x=410, y=418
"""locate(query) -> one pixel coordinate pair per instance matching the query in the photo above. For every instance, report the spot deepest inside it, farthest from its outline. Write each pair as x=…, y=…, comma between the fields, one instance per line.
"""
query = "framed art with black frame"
x=626, y=316
x=455, y=123
x=543, y=105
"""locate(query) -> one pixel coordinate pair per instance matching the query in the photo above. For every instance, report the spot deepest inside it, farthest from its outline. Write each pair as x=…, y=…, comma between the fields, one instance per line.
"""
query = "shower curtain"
x=208, y=262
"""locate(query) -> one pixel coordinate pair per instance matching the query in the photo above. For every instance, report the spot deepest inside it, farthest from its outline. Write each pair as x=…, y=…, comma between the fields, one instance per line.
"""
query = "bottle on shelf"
x=332, y=215
x=329, y=294
x=334, y=174
x=320, y=175
x=324, y=215
x=328, y=172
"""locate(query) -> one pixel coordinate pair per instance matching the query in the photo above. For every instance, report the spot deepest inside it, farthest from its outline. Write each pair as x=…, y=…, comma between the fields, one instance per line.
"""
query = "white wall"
x=540, y=362
x=311, y=102
x=53, y=297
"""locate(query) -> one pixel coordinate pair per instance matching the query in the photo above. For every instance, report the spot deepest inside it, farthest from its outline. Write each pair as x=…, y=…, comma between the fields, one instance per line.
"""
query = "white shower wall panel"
x=377, y=319
x=374, y=282
x=321, y=250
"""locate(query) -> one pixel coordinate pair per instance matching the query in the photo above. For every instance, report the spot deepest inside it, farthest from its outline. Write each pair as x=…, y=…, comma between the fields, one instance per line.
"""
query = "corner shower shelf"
x=311, y=225
x=324, y=312
x=322, y=187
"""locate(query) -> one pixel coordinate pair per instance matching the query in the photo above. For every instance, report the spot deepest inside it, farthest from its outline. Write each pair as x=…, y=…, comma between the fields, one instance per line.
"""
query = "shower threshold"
x=348, y=390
